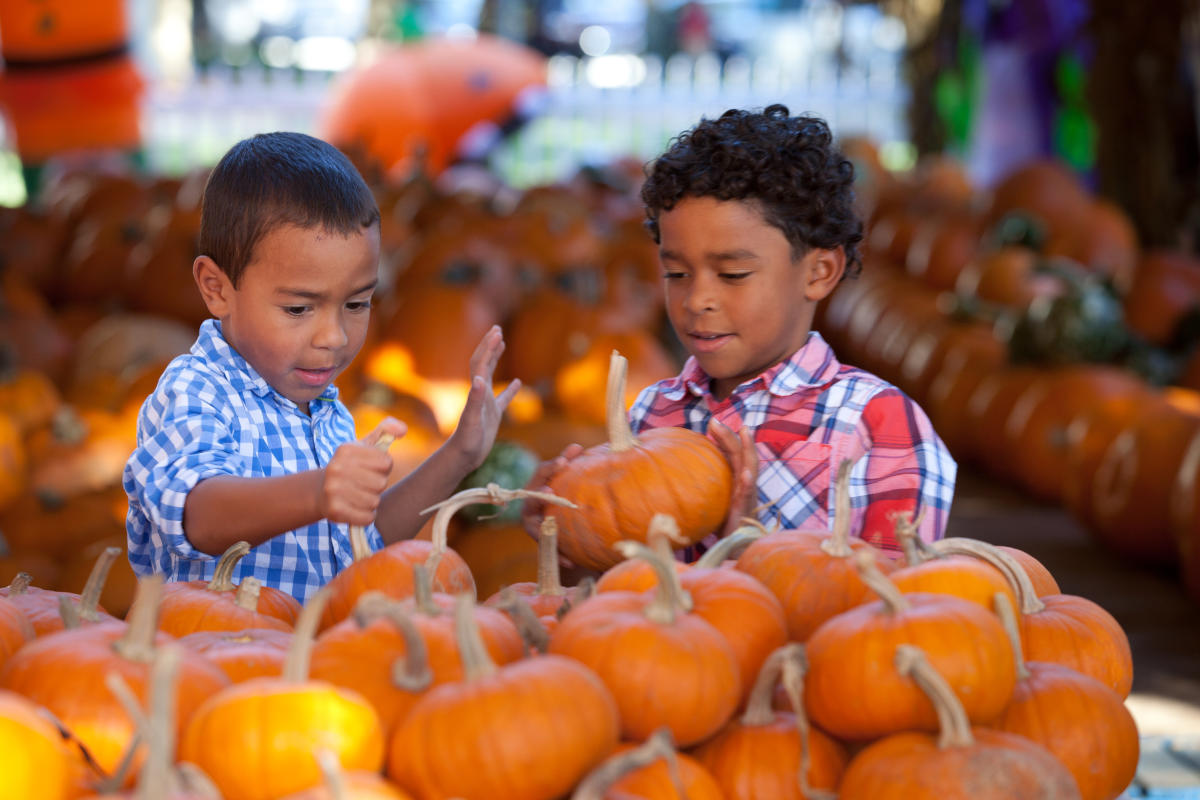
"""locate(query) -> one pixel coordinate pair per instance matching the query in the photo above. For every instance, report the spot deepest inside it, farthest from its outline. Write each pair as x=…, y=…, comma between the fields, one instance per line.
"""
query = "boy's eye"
x=295, y=311
x=671, y=275
x=358, y=305
x=734, y=276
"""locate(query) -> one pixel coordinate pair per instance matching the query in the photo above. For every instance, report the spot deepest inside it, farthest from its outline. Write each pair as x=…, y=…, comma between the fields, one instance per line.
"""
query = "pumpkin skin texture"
x=242, y=655
x=33, y=759
x=619, y=486
x=456, y=741
x=355, y=786
x=255, y=740
x=626, y=775
x=959, y=576
x=15, y=629
x=220, y=605
x=1042, y=579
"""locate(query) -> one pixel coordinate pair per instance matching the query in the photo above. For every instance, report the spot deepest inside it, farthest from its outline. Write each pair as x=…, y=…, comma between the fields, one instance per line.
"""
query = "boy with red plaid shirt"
x=753, y=214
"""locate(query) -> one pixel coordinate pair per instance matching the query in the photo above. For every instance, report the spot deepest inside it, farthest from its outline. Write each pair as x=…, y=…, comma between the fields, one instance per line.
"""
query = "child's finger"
x=384, y=433
x=487, y=352
x=506, y=396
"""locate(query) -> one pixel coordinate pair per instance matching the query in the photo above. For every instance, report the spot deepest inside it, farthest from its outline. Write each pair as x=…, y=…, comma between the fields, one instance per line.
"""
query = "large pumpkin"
x=619, y=486
x=33, y=758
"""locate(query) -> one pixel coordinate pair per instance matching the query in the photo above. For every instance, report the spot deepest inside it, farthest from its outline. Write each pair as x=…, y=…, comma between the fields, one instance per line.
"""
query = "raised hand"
x=480, y=418
x=356, y=475
x=743, y=460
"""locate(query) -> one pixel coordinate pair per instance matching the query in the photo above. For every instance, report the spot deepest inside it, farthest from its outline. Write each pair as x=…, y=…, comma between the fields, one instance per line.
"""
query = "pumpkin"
x=84, y=450
x=942, y=246
x=1007, y=277
x=116, y=596
x=987, y=414
x=357, y=785
x=220, y=605
x=961, y=576
x=1165, y=288
x=52, y=31
x=939, y=345
x=15, y=629
x=652, y=770
x=33, y=759
x=776, y=754
x=1080, y=721
x=636, y=574
x=28, y=398
x=1046, y=190
x=62, y=671
x=255, y=739
x=455, y=742
x=1042, y=580
x=1105, y=242
x=671, y=667
x=43, y=607
x=546, y=596
x=497, y=555
x=855, y=695
x=241, y=655
x=965, y=366
x=1060, y=628
x=812, y=572
x=579, y=384
x=961, y=763
x=619, y=486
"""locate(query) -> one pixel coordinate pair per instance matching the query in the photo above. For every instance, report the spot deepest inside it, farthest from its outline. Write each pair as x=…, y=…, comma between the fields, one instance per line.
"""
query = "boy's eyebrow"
x=739, y=254
x=307, y=295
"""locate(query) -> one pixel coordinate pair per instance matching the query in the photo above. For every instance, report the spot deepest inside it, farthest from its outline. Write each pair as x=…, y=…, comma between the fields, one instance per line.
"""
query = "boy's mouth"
x=704, y=342
x=315, y=377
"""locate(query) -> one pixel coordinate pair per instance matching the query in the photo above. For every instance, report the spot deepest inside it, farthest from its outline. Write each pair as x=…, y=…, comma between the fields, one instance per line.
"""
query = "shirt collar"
x=212, y=346
x=812, y=365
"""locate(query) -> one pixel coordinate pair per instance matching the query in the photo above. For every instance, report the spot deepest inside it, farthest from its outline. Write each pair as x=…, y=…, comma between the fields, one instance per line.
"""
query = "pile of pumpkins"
x=1048, y=349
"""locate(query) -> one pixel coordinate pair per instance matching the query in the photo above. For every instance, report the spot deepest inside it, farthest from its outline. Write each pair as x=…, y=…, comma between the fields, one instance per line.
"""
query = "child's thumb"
x=385, y=433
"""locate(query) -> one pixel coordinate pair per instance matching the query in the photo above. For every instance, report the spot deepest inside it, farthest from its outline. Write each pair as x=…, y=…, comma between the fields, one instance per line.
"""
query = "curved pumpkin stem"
x=423, y=592
x=1008, y=618
x=915, y=550
x=838, y=543
x=411, y=673
x=331, y=773
x=299, y=654
x=759, y=710
x=549, y=578
x=620, y=435
x=955, y=728
x=670, y=599
x=20, y=584
x=247, y=594
x=222, y=579
x=68, y=612
x=359, y=547
x=731, y=546
x=1012, y=570
x=155, y=726
x=477, y=664
x=530, y=627
x=584, y=590
x=89, y=599
x=893, y=599
x=662, y=534
x=658, y=747
x=137, y=643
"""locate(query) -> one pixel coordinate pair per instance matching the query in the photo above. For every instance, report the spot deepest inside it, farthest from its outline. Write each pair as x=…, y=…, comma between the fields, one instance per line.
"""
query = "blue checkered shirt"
x=213, y=414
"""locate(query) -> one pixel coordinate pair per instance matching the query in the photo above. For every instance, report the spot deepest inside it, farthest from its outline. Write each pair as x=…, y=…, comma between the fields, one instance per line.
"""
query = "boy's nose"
x=330, y=334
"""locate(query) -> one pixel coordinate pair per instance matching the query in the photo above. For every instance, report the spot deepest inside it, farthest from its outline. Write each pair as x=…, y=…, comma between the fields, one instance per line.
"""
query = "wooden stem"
x=1008, y=617
x=910, y=543
x=585, y=589
x=89, y=599
x=670, y=599
x=359, y=547
x=620, y=435
x=295, y=665
x=731, y=546
x=157, y=770
x=222, y=579
x=411, y=673
x=549, y=579
x=531, y=628
x=952, y=719
x=68, y=611
x=477, y=664
x=838, y=543
x=662, y=535
x=1017, y=577
x=893, y=598
x=331, y=772
x=137, y=643
x=423, y=592
x=20, y=584
x=794, y=668
x=247, y=594
x=759, y=710
x=659, y=746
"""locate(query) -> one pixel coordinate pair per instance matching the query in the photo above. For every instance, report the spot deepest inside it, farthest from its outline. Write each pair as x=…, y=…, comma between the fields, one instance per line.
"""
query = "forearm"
x=222, y=510
x=400, y=508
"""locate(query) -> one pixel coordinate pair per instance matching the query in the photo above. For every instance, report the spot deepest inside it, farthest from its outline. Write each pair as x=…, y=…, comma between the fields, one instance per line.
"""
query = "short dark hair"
x=275, y=179
x=787, y=165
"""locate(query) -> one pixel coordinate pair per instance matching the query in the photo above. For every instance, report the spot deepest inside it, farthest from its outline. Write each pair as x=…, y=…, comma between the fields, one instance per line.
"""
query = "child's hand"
x=480, y=418
x=354, y=479
x=533, y=509
x=743, y=459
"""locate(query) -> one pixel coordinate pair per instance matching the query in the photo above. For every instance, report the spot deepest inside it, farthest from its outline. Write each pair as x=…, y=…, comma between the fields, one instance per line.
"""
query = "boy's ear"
x=825, y=269
x=215, y=287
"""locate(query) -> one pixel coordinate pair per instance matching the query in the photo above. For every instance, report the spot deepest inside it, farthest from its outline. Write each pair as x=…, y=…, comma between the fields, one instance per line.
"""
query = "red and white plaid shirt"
x=808, y=414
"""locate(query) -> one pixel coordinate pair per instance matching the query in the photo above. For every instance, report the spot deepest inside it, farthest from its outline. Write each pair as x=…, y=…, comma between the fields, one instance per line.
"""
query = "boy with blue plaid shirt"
x=244, y=437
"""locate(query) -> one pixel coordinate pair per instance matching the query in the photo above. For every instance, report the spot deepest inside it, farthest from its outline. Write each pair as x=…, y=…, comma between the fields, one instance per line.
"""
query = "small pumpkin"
x=546, y=596
x=33, y=759
x=356, y=785
x=925, y=570
x=43, y=607
x=245, y=654
x=220, y=605
x=652, y=770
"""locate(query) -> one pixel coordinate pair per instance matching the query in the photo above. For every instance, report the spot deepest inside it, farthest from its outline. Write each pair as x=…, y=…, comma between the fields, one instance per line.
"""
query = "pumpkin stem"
x=1008, y=618
x=549, y=579
x=295, y=665
x=730, y=547
x=794, y=668
x=893, y=599
x=955, y=728
x=412, y=673
x=838, y=543
x=584, y=590
x=477, y=664
x=620, y=435
x=530, y=627
x=670, y=599
x=359, y=547
x=194, y=782
x=1017, y=577
x=68, y=611
x=20, y=584
x=331, y=772
x=662, y=534
x=659, y=746
x=157, y=778
x=423, y=591
x=915, y=550
x=137, y=643
x=89, y=600
x=759, y=710
x=67, y=427
x=247, y=594
x=222, y=579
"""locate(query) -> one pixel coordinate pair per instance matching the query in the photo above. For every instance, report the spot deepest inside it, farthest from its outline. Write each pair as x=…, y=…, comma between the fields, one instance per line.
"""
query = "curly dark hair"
x=788, y=165
x=275, y=179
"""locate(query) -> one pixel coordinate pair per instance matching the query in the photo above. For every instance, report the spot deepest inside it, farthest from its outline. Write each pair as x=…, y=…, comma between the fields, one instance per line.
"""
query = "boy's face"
x=736, y=298
x=299, y=314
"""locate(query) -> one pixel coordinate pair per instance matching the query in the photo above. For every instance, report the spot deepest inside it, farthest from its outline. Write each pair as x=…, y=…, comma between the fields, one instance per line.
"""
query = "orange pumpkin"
x=1165, y=287
x=546, y=596
x=242, y=655
x=652, y=770
x=120, y=586
x=960, y=576
x=579, y=384
x=33, y=758
x=12, y=461
x=255, y=739
x=454, y=742
x=776, y=754
x=44, y=608
x=28, y=397
x=15, y=629
x=918, y=766
x=357, y=785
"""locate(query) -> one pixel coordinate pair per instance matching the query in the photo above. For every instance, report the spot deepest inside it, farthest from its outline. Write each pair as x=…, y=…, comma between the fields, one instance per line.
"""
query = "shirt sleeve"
x=906, y=470
x=639, y=412
x=183, y=438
